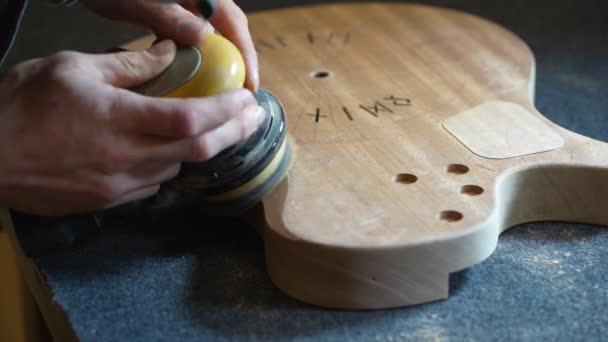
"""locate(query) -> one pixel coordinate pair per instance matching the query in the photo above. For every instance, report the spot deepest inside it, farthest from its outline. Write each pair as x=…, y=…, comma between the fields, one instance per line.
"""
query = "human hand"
x=72, y=139
x=180, y=22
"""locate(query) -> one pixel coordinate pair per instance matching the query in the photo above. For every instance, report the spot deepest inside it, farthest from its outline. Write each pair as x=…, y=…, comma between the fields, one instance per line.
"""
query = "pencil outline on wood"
x=525, y=184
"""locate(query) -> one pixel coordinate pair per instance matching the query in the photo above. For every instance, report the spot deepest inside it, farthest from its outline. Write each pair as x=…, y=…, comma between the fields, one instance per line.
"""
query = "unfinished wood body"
x=417, y=143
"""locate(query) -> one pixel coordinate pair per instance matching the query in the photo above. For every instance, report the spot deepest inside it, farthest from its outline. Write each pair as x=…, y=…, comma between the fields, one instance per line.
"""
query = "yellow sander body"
x=238, y=177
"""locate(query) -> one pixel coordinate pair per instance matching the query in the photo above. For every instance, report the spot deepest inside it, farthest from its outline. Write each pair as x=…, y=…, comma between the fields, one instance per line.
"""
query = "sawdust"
x=429, y=333
x=553, y=264
x=545, y=263
x=560, y=269
x=427, y=329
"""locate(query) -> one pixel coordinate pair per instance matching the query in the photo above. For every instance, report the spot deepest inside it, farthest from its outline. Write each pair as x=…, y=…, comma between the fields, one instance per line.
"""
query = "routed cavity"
x=471, y=190
x=457, y=169
x=450, y=216
x=405, y=178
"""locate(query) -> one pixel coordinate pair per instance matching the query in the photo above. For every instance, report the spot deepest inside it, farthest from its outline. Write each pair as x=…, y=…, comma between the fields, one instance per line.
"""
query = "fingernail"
x=190, y=30
x=260, y=115
x=163, y=48
x=245, y=96
x=256, y=112
x=256, y=78
x=207, y=28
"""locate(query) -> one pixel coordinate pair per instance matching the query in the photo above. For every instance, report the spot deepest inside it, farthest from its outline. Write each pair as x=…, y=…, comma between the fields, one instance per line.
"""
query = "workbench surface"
x=192, y=280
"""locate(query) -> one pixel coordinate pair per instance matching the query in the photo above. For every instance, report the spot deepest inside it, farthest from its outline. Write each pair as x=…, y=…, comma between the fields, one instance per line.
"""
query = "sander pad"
x=232, y=181
x=238, y=177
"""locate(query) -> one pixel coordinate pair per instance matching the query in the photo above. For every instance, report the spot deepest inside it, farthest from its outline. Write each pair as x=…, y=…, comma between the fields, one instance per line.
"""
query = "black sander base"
x=239, y=176
x=229, y=183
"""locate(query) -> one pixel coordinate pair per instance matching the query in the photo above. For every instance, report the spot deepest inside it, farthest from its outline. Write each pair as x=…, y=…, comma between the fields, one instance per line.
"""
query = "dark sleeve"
x=11, y=12
x=62, y=2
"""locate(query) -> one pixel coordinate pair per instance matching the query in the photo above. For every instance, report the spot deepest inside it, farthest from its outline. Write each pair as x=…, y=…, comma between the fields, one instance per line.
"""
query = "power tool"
x=238, y=177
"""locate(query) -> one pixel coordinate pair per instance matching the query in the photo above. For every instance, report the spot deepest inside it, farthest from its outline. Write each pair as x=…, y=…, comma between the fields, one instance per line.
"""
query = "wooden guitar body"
x=416, y=144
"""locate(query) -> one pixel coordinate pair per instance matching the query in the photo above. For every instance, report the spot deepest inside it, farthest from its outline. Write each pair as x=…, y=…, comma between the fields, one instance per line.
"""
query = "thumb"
x=130, y=68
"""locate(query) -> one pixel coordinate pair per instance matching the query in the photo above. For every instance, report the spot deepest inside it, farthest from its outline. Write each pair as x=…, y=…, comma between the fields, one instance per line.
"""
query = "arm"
x=74, y=139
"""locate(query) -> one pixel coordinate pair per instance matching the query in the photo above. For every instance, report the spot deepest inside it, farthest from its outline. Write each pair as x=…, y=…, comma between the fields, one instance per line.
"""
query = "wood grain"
x=417, y=143
x=502, y=130
x=45, y=312
x=19, y=317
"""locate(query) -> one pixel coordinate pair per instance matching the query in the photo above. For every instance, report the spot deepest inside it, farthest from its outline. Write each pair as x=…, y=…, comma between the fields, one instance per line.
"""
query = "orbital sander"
x=239, y=176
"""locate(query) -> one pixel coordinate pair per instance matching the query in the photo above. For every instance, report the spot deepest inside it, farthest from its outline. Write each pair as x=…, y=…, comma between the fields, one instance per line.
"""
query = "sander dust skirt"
x=238, y=177
x=229, y=183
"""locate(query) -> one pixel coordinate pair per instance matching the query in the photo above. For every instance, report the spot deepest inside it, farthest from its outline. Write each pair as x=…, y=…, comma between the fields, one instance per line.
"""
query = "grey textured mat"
x=546, y=281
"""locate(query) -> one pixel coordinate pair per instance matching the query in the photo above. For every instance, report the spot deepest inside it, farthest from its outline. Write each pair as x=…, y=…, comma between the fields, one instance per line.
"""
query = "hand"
x=73, y=140
x=180, y=23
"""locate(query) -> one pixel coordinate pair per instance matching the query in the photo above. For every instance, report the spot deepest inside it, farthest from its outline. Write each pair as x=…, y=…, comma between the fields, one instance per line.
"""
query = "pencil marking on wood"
x=348, y=115
x=376, y=108
x=397, y=101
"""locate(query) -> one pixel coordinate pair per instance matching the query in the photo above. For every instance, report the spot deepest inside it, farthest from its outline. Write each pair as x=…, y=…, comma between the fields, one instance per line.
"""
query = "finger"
x=143, y=177
x=171, y=21
x=177, y=118
x=205, y=146
x=208, y=145
x=134, y=195
x=129, y=68
x=146, y=174
x=231, y=21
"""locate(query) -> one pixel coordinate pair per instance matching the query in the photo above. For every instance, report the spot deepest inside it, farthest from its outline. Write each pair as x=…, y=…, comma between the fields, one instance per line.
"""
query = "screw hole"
x=471, y=190
x=405, y=178
x=320, y=74
x=457, y=169
x=450, y=216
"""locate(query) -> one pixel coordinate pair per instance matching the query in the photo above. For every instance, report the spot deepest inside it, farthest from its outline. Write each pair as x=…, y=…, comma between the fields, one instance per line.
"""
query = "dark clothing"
x=11, y=12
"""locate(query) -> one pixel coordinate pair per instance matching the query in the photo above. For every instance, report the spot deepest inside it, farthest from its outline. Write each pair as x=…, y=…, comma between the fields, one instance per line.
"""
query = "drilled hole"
x=320, y=74
x=405, y=178
x=458, y=169
x=450, y=216
x=471, y=190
